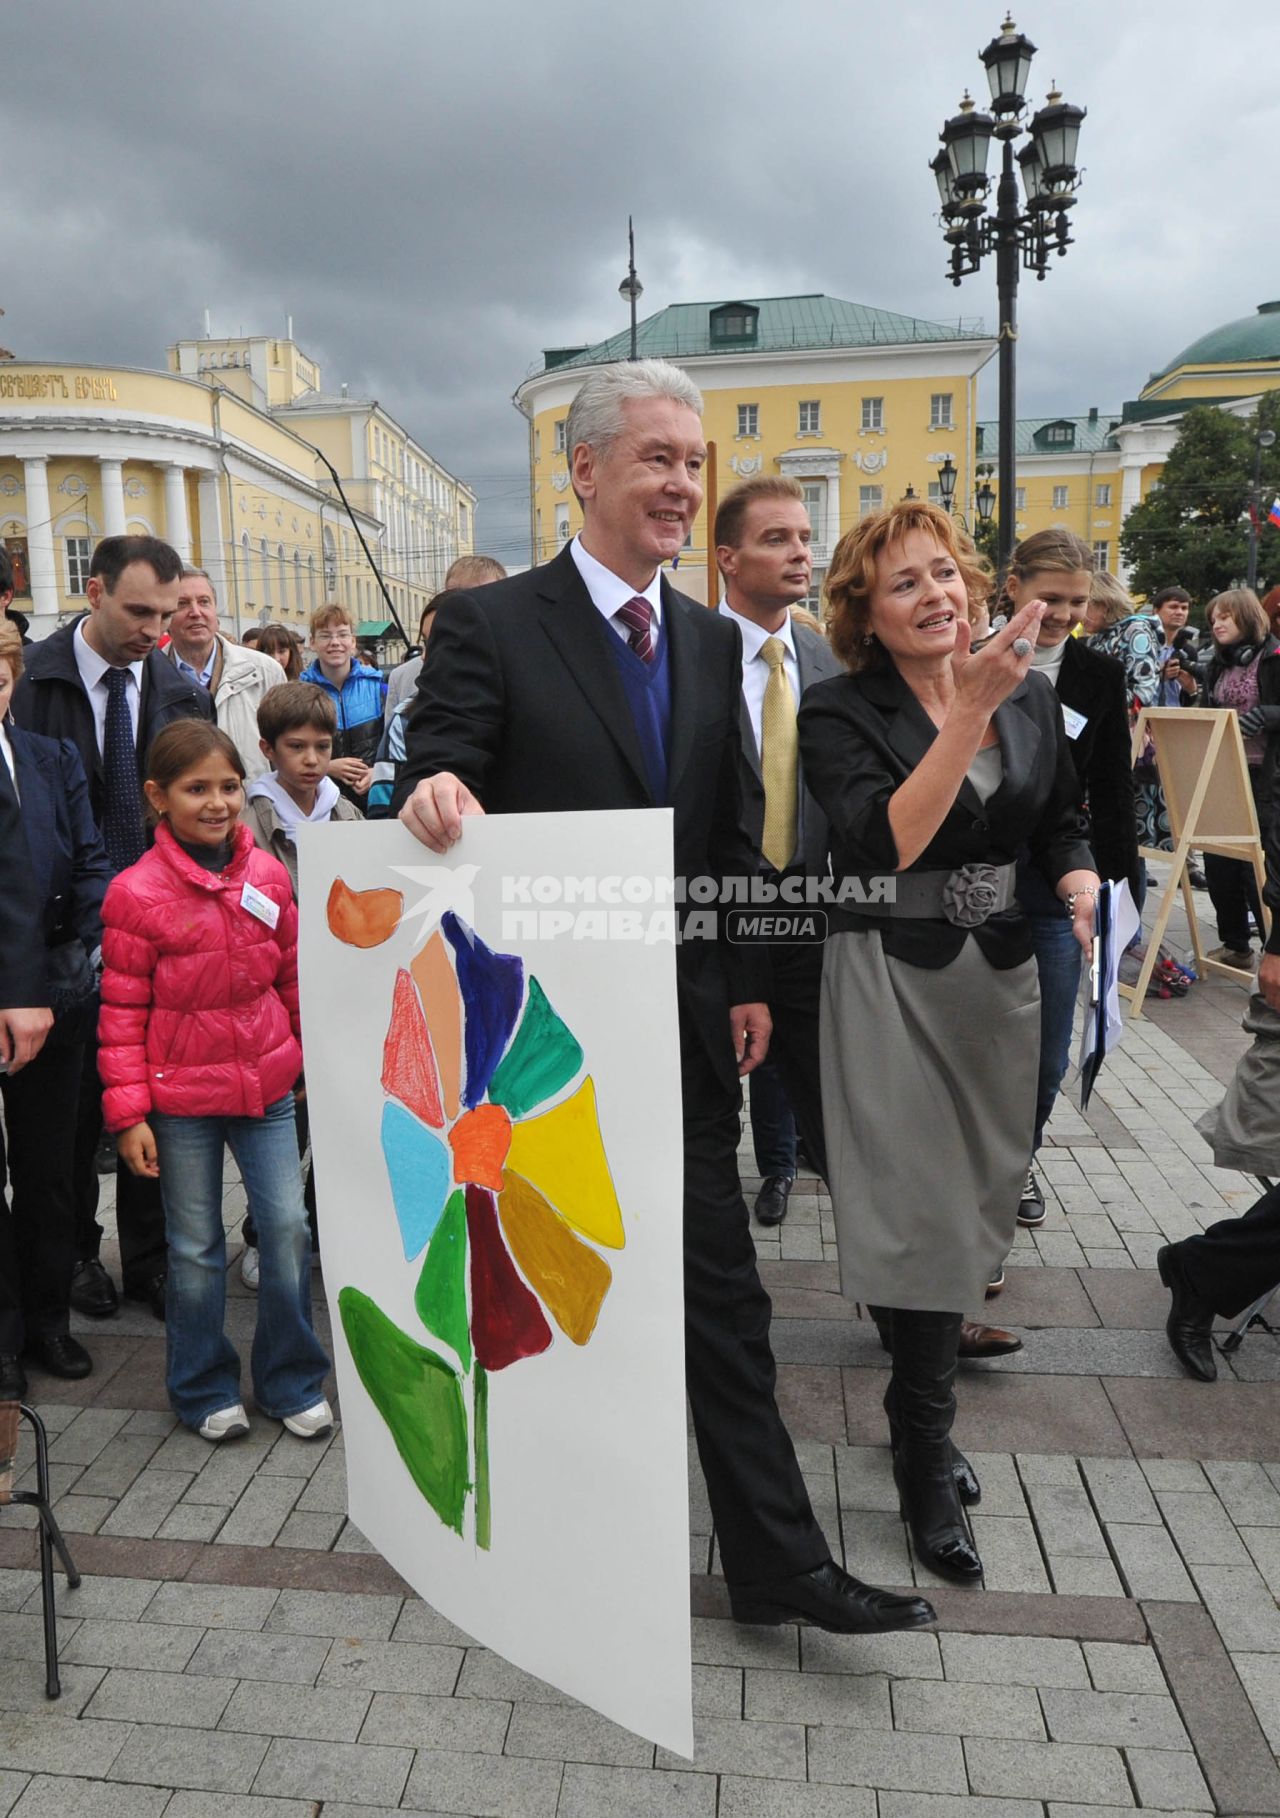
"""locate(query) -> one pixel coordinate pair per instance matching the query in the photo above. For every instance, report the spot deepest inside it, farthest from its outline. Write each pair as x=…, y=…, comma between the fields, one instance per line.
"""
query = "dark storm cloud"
x=435, y=193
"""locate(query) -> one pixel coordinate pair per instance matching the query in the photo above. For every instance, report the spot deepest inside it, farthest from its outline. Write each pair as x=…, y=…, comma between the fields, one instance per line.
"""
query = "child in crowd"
x=198, y=1050
x=357, y=692
x=297, y=722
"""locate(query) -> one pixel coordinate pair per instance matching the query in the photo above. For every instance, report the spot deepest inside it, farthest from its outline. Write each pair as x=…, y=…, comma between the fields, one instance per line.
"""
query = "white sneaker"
x=312, y=1422
x=225, y=1423
x=250, y=1267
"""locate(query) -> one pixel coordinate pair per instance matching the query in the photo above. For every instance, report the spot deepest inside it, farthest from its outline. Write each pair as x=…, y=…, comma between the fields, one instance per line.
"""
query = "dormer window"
x=734, y=325
x=1061, y=434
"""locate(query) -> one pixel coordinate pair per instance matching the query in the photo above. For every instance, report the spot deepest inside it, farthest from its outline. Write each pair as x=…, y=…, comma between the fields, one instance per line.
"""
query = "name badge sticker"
x=259, y=906
x=1074, y=722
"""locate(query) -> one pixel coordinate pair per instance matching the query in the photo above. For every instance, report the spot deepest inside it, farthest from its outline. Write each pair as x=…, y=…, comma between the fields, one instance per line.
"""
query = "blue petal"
x=492, y=987
x=419, y=1169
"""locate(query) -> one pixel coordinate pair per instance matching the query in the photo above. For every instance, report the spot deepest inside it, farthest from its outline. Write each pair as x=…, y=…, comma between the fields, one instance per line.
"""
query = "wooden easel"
x=1205, y=778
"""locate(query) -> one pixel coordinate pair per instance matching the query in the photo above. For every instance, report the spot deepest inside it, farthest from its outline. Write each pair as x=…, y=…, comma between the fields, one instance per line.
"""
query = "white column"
x=177, y=531
x=44, y=566
x=1131, y=466
x=111, y=480
x=212, y=555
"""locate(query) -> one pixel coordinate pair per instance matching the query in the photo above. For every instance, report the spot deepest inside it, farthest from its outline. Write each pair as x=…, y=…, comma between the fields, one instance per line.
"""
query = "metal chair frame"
x=50, y=1534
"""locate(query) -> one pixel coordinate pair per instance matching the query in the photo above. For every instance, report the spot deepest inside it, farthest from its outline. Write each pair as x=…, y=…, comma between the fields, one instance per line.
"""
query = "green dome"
x=1252, y=338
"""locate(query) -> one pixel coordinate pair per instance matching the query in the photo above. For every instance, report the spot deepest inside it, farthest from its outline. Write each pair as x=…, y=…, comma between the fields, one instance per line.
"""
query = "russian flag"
x=1273, y=515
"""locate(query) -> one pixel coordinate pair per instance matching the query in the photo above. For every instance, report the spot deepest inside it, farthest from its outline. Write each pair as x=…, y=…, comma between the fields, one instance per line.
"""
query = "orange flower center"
x=480, y=1140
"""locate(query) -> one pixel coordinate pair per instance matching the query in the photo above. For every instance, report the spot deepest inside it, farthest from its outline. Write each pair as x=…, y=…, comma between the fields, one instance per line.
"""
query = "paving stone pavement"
x=237, y=1650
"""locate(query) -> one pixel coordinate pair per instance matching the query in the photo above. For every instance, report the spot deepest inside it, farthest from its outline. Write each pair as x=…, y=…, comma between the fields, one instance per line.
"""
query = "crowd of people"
x=974, y=784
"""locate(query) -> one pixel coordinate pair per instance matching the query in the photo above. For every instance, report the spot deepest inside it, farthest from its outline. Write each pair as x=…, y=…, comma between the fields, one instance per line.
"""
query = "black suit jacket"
x=69, y=865
x=50, y=698
x=23, y=984
x=862, y=736
x=520, y=697
x=816, y=662
x=1093, y=686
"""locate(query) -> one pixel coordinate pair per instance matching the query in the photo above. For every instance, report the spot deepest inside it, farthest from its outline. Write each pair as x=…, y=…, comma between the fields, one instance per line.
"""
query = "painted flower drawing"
x=502, y=1192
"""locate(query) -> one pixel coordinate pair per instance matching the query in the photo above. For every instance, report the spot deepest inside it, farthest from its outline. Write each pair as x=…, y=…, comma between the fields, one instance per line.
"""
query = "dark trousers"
x=139, y=1209
x=794, y=992
x=764, y=1521
x=773, y=1124
x=1236, y=1261
x=37, y=1246
x=1233, y=888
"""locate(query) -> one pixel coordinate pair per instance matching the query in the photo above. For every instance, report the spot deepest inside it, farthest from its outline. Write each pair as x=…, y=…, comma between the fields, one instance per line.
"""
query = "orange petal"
x=570, y=1279
x=438, y=988
x=363, y=918
x=480, y=1140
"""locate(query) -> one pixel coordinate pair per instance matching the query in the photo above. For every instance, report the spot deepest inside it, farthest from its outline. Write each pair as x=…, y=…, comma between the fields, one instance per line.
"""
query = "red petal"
x=506, y=1321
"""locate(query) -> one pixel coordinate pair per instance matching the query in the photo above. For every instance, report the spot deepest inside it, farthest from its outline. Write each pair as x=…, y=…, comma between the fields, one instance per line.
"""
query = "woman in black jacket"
x=1243, y=672
x=70, y=873
x=936, y=770
x=1055, y=567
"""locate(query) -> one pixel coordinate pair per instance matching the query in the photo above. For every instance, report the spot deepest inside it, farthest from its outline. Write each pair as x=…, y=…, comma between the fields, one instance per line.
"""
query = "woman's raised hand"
x=984, y=678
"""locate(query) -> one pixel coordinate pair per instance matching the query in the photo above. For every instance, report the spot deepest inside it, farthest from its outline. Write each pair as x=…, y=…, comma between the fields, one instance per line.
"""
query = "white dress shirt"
x=6, y=751
x=608, y=591
x=755, y=671
x=93, y=669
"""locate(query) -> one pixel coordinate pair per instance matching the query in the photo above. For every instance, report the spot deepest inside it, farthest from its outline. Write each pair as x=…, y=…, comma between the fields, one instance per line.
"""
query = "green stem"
x=481, y=1419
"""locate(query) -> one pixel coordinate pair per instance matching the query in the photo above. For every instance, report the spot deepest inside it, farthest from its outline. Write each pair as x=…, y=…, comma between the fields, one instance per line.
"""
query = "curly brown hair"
x=852, y=574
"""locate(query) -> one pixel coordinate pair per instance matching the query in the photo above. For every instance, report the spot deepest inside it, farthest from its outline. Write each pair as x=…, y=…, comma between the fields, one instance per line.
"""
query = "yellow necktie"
x=778, y=759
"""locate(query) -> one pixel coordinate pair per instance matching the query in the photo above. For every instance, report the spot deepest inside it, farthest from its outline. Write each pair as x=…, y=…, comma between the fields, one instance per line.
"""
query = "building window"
x=1020, y=498
x=873, y=413
x=1059, y=498
x=79, y=552
x=815, y=503
x=733, y=322
x=330, y=564
x=940, y=410
x=870, y=498
x=537, y=536
x=1061, y=434
x=462, y=523
x=559, y=441
x=810, y=417
x=748, y=419
x=1102, y=495
x=935, y=492
x=537, y=444
x=1102, y=555
x=562, y=523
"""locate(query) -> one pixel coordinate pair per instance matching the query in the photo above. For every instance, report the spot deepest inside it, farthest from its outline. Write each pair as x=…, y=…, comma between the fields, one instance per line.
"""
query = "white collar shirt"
x=6, y=751
x=755, y=670
x=93, y=673
x=608, y=591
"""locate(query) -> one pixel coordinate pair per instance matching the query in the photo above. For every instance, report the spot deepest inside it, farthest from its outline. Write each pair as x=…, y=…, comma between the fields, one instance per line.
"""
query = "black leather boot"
x=967, y=1484
x=923, y=1390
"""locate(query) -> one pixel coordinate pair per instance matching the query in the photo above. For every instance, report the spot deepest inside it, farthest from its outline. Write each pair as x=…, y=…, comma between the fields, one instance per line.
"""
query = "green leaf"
x=441, y=1294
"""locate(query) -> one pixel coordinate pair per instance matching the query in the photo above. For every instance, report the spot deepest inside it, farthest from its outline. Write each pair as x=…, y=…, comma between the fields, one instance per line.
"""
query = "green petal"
x=542, y=1059
x=441, y=1294
x=419, y=1396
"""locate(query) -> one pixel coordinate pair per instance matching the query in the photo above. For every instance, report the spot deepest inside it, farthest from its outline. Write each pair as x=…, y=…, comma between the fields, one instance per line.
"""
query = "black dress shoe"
x=930, y=1506
x=150, y=1290
x=60, y=1355
x=13, y=1380
x=93, y=1292
x=1190, y=1322
x=771, y=1200
x=828, y=1598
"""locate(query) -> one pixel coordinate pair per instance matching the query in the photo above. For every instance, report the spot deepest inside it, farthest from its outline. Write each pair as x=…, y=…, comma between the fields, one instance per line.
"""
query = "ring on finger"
x=1021, y=647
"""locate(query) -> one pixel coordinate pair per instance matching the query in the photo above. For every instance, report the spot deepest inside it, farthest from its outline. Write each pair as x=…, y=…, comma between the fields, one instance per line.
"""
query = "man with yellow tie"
x=763, y=549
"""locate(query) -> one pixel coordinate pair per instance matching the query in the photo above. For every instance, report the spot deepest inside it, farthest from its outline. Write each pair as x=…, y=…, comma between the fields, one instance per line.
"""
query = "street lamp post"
x=1265, y=439
x=1022, y=234
x=631, y=288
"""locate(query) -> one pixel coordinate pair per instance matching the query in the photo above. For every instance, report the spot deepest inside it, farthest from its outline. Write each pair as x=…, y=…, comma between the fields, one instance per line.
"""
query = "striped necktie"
x=779, y=758
x=637, y=616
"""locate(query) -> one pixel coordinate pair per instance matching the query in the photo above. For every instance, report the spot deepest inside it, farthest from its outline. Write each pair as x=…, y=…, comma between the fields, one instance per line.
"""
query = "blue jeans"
x=1058, y=959
x=202, y=1371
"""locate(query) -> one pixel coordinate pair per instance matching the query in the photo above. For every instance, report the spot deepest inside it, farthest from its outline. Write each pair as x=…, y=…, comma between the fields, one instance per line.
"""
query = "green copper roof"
x=1090, y=435
x=683, y=331
x=1252, y=338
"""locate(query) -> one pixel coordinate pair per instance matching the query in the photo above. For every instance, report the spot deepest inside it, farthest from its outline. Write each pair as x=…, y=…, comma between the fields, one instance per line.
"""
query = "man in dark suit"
x=25, y=1017
x=592, y=684
x=763, y=537
x=102, y=683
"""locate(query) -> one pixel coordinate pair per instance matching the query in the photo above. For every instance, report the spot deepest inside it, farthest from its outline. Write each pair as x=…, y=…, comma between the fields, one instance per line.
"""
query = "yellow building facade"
x=854, y=403
x=217, y=464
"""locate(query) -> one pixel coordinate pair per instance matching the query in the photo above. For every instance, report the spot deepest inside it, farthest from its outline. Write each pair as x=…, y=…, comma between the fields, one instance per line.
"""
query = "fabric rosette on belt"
x=972, y=894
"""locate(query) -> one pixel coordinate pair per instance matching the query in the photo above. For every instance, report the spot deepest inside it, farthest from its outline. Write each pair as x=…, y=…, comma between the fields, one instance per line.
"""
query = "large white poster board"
x=493, y=1074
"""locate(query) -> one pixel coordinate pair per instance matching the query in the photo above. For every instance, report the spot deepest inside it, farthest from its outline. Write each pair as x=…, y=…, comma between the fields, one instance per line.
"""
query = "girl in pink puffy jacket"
x=198, y=1051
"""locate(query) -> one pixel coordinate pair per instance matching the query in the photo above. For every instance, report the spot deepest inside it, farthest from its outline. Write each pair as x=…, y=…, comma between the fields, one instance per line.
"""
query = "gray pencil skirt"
x=928, y=1095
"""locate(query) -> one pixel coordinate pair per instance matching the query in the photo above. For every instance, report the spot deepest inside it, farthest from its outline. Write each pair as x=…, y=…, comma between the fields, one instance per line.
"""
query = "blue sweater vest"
x=648, y=690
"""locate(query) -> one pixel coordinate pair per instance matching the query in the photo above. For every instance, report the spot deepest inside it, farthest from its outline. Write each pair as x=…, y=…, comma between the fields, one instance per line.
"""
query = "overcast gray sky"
x=435, y=192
